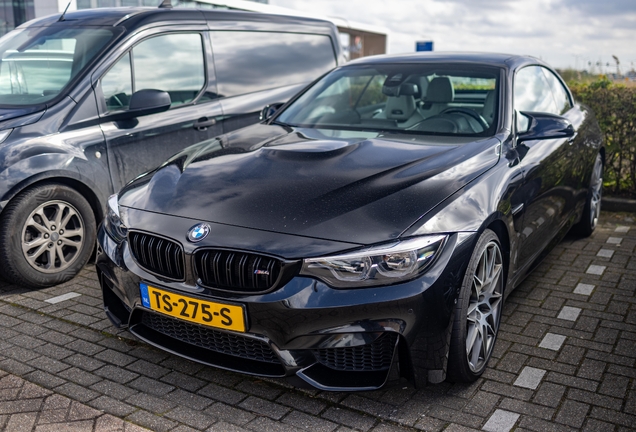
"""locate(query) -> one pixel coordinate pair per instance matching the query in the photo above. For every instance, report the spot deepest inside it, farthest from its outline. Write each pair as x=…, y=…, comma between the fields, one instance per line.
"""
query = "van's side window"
x=172, y=62
x=247, y=62
x=117, y=85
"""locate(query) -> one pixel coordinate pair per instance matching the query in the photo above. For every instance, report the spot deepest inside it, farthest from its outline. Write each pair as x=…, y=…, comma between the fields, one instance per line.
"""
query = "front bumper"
x=334, y=339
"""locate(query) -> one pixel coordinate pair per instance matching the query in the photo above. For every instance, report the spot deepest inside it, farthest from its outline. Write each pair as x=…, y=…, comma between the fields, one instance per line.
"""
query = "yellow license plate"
x=212, y=314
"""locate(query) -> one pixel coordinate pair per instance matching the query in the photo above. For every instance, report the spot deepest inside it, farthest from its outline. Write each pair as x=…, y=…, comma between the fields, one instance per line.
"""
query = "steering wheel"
x=482, y=122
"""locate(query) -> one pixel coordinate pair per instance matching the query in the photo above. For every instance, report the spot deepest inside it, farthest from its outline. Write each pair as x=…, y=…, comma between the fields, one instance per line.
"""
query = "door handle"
x=203, y=123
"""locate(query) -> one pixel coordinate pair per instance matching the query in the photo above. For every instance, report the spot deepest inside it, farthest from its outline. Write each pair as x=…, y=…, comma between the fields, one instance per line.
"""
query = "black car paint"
x=235, y=180
x=503, y=183
x=70, y=139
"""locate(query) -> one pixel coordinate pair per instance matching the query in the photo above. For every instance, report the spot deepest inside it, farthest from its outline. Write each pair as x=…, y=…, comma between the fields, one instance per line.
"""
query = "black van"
x=91, y=99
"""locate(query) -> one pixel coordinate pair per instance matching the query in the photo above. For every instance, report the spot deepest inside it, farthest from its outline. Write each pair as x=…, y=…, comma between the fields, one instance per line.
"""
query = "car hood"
x=365, y=189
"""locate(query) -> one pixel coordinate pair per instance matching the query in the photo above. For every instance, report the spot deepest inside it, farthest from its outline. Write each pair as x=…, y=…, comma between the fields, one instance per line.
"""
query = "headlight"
x=112, y=223
x=380, y=265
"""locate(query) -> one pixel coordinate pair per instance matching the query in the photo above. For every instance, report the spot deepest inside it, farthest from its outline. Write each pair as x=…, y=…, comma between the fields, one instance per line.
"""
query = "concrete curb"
x=614, y=204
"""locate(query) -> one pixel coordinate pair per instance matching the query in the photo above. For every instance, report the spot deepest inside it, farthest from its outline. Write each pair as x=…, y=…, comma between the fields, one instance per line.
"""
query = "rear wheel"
x=47, y=234
x=592, y=208
x=478, y=311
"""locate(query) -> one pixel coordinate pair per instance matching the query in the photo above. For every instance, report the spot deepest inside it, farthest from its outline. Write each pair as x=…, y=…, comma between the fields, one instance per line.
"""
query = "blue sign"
x=424, y=46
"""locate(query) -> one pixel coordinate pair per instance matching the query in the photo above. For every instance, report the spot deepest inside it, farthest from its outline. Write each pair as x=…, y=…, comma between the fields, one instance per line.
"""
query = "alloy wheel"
x=52, y=236
x=484, y=308
x=597, y=190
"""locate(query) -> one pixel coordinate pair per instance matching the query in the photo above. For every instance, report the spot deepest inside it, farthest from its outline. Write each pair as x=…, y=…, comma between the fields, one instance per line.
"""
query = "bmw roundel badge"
x=198, y=232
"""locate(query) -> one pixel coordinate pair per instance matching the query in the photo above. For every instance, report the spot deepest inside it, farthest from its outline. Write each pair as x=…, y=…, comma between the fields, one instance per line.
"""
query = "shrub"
x=615, y=108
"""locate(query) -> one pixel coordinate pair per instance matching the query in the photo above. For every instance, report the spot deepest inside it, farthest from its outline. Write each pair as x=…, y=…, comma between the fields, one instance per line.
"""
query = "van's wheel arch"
x=47, y=234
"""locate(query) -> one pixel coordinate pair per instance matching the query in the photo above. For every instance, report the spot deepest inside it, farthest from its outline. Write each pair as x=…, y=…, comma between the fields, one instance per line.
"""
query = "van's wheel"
x=47, y=234
x=478, y=311
x=592, y=208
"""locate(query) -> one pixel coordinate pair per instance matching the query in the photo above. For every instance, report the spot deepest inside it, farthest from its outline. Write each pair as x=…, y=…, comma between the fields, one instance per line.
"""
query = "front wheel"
x=478, y=311
x=592, y=208
x=47, y=234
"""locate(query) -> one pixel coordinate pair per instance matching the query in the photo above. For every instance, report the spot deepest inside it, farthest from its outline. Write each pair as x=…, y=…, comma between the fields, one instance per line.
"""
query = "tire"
x=478, y=311
x=592, y=208
x=34, y=251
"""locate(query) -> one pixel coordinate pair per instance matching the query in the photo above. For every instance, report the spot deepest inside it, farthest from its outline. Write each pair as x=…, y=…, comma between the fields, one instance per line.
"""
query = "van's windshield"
x=37, y=63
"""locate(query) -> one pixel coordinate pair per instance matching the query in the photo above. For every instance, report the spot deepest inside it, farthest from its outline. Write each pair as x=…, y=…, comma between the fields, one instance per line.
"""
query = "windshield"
x=410, y=98
x=37, y=63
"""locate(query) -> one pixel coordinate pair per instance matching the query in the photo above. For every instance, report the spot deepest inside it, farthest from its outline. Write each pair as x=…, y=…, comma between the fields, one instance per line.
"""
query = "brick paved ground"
x=565, y=360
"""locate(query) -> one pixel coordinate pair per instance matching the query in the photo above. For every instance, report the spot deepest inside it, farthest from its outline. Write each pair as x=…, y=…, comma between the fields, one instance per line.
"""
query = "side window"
x=561, y=96
x=117, y=85
x=173, y=63
x=532, y=91
x=247, y=62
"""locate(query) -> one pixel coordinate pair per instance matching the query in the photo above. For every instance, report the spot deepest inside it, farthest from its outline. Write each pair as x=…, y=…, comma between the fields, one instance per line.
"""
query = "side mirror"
x=144, y=102
x=544, y=126
x=269, y=110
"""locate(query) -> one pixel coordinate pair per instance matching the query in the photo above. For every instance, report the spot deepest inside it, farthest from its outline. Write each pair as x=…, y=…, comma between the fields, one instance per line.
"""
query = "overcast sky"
x=565, y=33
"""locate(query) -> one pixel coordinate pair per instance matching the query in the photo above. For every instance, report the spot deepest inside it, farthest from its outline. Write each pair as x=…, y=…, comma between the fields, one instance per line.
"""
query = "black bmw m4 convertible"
x=375, y=222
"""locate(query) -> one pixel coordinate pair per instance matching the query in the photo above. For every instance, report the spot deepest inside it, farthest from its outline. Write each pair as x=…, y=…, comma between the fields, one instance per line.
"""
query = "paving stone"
x=116, y=374
x=614, y=385
x=530, y=377
x=596, y=269
x=549, y=394
x=229, y=414
x=302, y=403
x=569, y=313
x=501, y=421
x=584, y=289
x=188, y=399
x=150, y=386
x=605, y=253
x=151, y=421
x=264, y=407
x=552, y=341
x=572, y=413
x=614, y=240
x=349, y=418
x=77, y=392
x=304, y=421
x=190, y=417
x=112, y=406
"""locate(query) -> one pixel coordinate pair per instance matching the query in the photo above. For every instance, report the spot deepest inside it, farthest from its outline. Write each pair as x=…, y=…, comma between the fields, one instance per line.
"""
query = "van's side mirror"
x=142, y=103
x=545, y=126
x=269, y=110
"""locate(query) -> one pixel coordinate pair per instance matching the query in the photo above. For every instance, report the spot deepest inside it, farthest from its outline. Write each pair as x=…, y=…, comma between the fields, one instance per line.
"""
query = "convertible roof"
x=487, y=59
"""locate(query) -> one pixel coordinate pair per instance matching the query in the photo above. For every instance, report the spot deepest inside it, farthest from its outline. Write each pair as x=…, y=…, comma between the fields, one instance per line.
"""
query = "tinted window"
x=561, y=96
x=387, y=97
x=117, y=85
x=172, y=63
x=532, y=91
x=37, y=63
x=247, y=62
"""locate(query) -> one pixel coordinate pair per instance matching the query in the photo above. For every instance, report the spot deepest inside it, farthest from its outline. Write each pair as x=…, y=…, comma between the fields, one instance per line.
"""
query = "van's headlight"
x=113, y=225
x=380, y=265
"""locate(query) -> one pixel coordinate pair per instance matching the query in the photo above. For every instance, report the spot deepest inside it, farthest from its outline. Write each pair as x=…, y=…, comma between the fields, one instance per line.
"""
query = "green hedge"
x=615, y=108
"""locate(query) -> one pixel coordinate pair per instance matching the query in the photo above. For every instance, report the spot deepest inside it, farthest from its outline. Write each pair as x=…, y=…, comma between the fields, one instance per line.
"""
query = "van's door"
x=171, y=61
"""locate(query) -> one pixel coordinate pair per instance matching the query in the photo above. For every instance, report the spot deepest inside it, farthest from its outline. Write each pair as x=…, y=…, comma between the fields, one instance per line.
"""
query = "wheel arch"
x=56, y=177
x=499, y=228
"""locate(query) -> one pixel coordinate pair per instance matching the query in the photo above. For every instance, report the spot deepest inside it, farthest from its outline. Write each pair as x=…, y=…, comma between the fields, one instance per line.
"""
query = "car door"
x=171, y=61
x=548, y=185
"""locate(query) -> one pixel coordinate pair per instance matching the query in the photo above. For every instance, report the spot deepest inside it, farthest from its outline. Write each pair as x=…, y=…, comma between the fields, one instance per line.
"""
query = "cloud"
x=565, y=33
